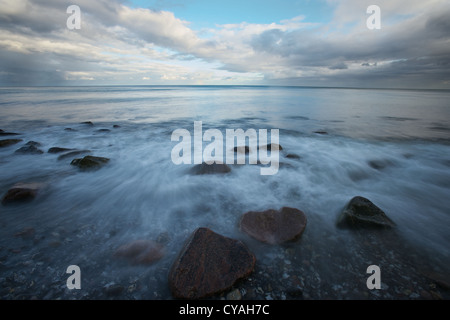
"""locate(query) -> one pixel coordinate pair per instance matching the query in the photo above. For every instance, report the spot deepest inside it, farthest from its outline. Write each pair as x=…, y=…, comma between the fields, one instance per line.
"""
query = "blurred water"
x=389, y=146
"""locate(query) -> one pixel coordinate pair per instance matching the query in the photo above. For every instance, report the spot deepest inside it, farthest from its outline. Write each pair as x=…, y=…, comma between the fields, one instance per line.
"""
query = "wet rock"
x=21, y=192
x=69, y=129
x=73, y=154
x=321, y=132
x=25, y=233
x=234, y=295
x=3, y=133
x=361, y=212
x=58, y=150
x=89, y=123
x=140, y=252
x=113, y=289
x=116, y=126
x=379, y=164
x=215, y=168
x=293, y=156
x=274, y=227
x=9, y=142
x=103, y=130
x=208, y=264
x=31, y=147
x=274, y=145
x=242, y=149
x=90, y=162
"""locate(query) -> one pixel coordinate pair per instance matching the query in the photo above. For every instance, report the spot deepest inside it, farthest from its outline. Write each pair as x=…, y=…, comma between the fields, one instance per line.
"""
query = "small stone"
x=103, y=130
x=116, y=126
x=25, y=233
x=293, y=156
x=141, y=252
x=321, y=132
x=89, y=123
x=113, y=289
x=234, y=295
x=9, y=142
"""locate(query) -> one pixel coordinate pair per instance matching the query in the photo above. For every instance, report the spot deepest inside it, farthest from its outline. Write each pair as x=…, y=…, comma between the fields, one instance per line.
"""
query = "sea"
x=389, y=146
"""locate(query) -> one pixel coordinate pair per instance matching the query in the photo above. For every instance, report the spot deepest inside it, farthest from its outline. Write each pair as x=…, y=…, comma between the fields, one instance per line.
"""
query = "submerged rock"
x=361, y=212
x=274, y=145
x=31, y=147
x=21, y=192
x=9, y=142
x=58, y=150
x=141, y=252
x=214, y=168
x=208, y=264
x=89, y=162
x=242, y=149
x=293, y=156
x=73, y=154
x=103, y=130
x=274, y=227
x=3, y=133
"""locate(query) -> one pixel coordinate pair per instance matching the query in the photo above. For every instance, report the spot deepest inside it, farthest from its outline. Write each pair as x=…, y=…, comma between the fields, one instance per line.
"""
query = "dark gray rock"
x=73, y=154
x=9, y=142
x=31, y=147
x=362, y=213
x=58, y=150
x=90, y=162
x=21, y=192
x=210, y=169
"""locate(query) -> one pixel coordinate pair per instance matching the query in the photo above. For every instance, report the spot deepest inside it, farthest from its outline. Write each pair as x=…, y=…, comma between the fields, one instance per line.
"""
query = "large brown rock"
x=140, y=252
x=21, y=192
x=209, y=264
x=274, y=227
x=362, y=213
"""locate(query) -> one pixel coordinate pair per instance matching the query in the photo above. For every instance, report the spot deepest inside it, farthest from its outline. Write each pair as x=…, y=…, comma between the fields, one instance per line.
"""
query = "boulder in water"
x=90, y=162
x=362, y=213
x=21, y=192
x=31, y=147
x=209, y=264
x=215, y=168
x=9, y=142
x=274, y=226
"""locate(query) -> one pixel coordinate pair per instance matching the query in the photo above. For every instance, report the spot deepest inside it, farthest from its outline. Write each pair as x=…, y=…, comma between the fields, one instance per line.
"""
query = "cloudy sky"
x=209, y=42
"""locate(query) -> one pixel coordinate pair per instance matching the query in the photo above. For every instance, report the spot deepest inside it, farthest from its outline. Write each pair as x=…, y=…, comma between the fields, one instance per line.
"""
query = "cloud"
x=124, y=45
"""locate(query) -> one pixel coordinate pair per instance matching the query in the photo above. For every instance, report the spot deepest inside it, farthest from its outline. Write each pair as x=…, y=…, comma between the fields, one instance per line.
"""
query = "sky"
x=207, y=42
